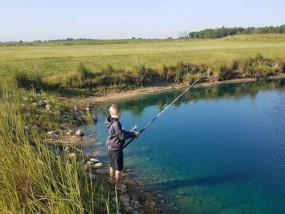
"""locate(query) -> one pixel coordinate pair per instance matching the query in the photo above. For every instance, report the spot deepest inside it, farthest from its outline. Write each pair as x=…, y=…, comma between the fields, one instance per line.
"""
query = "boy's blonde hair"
x=114, y=109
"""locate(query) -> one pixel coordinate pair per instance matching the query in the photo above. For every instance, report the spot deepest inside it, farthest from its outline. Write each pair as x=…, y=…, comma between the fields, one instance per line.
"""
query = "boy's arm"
x=122, y=134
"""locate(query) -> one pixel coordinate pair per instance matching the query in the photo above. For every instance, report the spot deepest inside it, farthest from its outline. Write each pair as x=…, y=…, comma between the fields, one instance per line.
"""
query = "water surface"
x=217, y=150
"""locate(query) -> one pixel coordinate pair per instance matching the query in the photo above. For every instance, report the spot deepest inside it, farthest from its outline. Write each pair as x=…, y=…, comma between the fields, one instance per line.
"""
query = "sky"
x=30, y=20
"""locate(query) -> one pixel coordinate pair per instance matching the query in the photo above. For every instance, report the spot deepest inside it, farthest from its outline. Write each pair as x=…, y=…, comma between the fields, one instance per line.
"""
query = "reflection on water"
x=237, y=90
x=217, y=150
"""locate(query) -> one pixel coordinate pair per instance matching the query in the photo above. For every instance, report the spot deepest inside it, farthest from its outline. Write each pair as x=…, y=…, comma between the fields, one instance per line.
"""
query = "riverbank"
x=110, y=96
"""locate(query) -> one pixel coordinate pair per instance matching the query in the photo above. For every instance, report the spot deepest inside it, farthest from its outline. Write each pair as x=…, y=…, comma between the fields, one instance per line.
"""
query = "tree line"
x=223, y=32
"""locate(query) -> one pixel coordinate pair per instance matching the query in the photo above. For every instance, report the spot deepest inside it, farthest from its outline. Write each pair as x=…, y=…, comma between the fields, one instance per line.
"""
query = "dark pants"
x=116, y=158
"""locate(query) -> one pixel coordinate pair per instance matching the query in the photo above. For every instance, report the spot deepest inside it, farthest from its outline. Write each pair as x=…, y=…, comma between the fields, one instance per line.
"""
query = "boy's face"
x=118, y=114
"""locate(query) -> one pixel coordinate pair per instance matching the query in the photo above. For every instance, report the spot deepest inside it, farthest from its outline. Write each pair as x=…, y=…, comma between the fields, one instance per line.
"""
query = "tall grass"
x=35, y=178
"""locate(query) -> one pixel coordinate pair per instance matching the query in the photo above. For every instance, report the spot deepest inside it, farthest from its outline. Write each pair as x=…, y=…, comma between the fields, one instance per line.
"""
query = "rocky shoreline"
x=136, y=200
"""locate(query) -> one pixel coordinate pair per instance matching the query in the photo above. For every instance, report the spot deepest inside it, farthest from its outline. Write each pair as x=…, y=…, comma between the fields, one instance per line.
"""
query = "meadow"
x=55, y=63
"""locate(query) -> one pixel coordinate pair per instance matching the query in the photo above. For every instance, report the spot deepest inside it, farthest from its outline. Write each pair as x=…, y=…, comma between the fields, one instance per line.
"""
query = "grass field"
x=55, y=61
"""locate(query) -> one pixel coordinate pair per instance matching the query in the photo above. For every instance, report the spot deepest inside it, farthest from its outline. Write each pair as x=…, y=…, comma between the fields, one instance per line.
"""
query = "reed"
x=35, y=178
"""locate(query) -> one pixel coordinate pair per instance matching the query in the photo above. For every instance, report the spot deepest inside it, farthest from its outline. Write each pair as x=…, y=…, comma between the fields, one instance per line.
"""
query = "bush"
x=225, y=72
x=30, y=81
x=84, y=73
x=22, y=79
x=258, y=67
x=162, y=72
x=190, y=78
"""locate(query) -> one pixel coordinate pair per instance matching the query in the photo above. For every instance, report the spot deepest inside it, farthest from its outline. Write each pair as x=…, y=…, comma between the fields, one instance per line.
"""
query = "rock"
x=101, y=171
x=129, y=209
x=79, y=132
x=72, y=155
x=126, y=204
x=125, y=199
x=48, y=107
x=136, y=205
x=70, y=132
x=98, y=165
x=49, y=111
x=94, y=160
x=87, y=109
x=40, y=103
x=50, y=132
x=45, y=102
x=91, y=155
x=94, y=166
x=86, y=167
x=26, y=128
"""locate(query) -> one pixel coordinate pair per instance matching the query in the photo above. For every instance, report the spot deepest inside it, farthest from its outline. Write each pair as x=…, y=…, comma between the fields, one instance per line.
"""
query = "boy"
x=115, y=143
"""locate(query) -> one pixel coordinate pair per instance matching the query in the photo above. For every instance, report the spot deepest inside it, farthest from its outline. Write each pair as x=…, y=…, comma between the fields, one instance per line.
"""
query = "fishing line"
x=163, y=110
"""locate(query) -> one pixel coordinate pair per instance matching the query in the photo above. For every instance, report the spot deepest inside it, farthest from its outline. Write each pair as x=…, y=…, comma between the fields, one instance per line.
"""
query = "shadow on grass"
x=55, y=89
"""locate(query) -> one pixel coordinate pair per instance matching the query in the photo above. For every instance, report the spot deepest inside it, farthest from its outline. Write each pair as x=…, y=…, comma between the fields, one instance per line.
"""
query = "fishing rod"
x=160, y=113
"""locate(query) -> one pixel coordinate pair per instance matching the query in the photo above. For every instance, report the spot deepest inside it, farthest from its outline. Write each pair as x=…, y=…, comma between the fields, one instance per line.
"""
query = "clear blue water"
x=218, y=150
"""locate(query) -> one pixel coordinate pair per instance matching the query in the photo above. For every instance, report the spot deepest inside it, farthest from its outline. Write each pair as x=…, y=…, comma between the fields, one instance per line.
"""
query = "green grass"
x=33, y=177
x=114, y=65
x=55, y=61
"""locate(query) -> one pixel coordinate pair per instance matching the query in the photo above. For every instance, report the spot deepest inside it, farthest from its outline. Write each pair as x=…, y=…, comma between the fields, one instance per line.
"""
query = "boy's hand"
x=136, y=134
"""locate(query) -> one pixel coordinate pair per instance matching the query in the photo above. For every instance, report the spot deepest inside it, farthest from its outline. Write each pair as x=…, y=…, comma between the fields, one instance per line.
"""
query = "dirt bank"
x=123, y=95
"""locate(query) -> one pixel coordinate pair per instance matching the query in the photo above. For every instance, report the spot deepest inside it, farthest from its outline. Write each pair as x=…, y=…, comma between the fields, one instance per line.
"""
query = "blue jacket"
x=117, y=136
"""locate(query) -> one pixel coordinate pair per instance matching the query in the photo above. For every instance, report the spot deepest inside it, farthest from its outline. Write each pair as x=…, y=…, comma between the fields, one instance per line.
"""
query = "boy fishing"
x=115, y=143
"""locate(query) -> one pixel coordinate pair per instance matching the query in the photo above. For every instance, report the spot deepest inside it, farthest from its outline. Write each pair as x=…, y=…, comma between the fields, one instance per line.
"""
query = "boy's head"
x=115, y=111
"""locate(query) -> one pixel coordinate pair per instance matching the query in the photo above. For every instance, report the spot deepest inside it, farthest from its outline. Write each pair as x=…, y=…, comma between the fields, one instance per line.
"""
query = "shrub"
x=162, y=72
x=28, y=81
x=84, y=73
x=190, y=78
x=258, y=67
x=139, y=72
x=225, y=72
x=22, y=79
x=235, y=65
